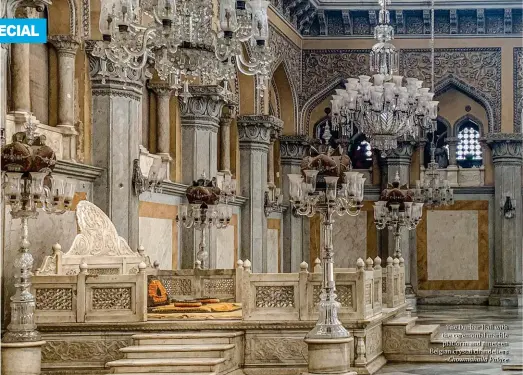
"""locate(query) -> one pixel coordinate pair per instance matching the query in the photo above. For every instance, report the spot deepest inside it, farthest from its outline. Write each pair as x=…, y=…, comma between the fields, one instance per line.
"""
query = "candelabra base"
x=329, y=356
x=22, y=358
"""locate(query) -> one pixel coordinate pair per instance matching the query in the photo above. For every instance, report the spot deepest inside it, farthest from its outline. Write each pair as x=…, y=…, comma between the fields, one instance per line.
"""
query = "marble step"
x=186, y=338
x=165, y=365
x=430, y=330
x=406, y=321
x=177, y=351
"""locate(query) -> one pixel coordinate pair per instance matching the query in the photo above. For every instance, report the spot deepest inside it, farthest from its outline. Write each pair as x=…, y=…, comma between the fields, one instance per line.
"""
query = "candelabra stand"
x=208, y=207
x=433, y=191
x=27, y=186
x=396, y=210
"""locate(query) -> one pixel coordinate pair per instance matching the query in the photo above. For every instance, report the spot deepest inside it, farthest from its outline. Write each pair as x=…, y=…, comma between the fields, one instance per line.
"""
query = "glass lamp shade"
x=37, y=184
x=260, y=20
x=166, y=10
x=108, y=9
x=331, y=188
x=310, y=180
x=295, y=188
x=13, y=187
x=183, y=211
x=228, y=17
x=69, y=191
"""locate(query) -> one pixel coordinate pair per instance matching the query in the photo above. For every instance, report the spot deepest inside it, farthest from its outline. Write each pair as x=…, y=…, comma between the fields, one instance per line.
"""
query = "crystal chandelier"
x=27, y=184
x=209, y=206
x=181, y=40
x=396, y=210
x=327, y=186
x=383, y=109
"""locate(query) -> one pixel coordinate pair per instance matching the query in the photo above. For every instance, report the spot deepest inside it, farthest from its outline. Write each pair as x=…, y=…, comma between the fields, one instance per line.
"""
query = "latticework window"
x=468, y=151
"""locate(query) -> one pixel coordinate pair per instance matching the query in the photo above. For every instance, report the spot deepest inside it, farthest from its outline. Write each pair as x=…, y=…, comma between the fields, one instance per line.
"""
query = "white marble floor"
x=447, y=316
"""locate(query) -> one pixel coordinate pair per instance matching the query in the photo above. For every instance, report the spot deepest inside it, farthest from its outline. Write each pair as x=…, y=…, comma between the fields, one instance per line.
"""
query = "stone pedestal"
x=399, y=160
x=295, y=228
x=507, y=157
x=254, y=133
x=117, y=119
x=329, y=356
x=22, y=358
x=200, y=119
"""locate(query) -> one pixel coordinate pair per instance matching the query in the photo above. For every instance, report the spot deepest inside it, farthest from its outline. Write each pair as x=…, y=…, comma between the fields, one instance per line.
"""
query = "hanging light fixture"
x=384, y=109
x=397, y=210
x=432, y=190
x=179, y=38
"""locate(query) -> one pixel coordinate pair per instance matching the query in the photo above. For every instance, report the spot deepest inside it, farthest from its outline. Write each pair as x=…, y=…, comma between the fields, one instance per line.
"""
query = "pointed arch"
x=452, y=82
x=466, y=118
x=309, y=105
x=288, y=96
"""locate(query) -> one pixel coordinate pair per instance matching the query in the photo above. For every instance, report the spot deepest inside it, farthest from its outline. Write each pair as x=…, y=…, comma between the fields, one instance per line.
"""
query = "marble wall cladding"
x=225, y=249
x=156, y=236
x=158, y=233
x=349, y=240
x=452, y=245
x=273, y=253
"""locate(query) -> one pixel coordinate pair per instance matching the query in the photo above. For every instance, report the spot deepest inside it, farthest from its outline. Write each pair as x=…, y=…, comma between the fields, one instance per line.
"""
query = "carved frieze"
x=373, y=342
x=476, y=71
x=518, y=89
x=54, y=299
x=274, y=296
x=83, y=350
x=111, y=299
x=293, y=148
x=259, y=349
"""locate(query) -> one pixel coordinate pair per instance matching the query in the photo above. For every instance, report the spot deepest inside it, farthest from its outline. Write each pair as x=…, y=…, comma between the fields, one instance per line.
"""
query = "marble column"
x=295, y=229
x=4, y=51
x=163, y=123
x=225, y=139
x=254, y=133
x=507, y=157
x=399, y=160
x=117, y=121
x=66, y=46
x=20, y=94
x=453, y=148
x=200, y=120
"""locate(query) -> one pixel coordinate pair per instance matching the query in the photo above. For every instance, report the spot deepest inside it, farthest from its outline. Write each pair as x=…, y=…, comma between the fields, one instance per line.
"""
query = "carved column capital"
x=293, y=148
x=401, y=155
x=64, y=44
x=254, y=131
x=506, y=148
x=203, y=109
x=160, y=88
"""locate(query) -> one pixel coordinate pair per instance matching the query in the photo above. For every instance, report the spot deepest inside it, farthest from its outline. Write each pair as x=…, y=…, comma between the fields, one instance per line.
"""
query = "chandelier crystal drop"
x=388, y=107
x=183, y=41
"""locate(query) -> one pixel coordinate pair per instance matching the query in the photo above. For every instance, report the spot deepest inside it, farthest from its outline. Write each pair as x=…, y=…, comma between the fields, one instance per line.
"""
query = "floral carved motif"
x=111, y=298
x=274, y=296
x=276, y=350
x=518, y=89
x=476, y=69
x=54, y=299
x=218, y=287
x=343, y=295
x=85, y=351
x=374, y=342
x=176, y=286
x=286, y=51
x=395, y=341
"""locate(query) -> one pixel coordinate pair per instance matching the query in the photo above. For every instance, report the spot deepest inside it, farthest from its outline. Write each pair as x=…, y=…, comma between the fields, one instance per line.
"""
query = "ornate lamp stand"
x=208, y=206
x=27, y=183
x=322, y=192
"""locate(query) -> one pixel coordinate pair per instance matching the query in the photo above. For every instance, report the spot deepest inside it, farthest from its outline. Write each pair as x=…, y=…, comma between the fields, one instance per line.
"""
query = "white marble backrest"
x=97, y=244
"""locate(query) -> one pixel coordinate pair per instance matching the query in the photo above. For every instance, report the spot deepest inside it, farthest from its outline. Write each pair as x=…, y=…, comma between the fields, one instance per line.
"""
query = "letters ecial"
x=23, y=30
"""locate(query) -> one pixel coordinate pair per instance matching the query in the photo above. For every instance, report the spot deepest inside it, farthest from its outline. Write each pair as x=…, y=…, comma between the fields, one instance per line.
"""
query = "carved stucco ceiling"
x=351, y=18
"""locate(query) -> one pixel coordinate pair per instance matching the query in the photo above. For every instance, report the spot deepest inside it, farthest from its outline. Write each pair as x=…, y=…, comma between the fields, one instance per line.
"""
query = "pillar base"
x=22, y=358
x=329, y=356
x=506, y=295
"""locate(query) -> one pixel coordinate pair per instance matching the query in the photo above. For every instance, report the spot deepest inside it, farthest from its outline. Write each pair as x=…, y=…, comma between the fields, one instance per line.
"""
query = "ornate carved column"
x=255, y=136
x=225, y=139
x=399, y=160
x=66, y=46
x=163, y=119
x=295, y=229
x=507, y=157
x=117, y=120
x=200, y=118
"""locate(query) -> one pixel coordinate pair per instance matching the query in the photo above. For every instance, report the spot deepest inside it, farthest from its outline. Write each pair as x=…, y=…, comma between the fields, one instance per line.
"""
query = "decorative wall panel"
x=518, y=88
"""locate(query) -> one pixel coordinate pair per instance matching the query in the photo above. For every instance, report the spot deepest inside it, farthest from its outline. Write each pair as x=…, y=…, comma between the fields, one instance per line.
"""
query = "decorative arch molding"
x=518, y=89
x=277, y=110
x=464, y=119
x=315, y=100
x=451, y=82
x=73, y=18
x=294, y=90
